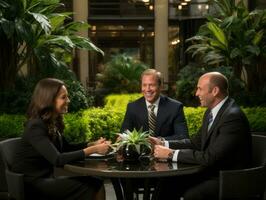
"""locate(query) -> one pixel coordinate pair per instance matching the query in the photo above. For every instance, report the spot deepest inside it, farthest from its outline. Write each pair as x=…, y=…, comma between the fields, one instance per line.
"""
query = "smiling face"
x=62, y=101
x=150, y=87
x=205, y=92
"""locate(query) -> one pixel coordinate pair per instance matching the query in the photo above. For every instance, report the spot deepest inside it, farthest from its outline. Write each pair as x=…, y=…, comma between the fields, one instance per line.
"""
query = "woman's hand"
x=102, y=148
x=99, y=141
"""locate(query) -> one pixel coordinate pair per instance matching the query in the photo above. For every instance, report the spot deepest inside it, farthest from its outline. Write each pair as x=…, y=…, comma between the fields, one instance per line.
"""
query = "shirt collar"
x=216, y=109
x=156, y=103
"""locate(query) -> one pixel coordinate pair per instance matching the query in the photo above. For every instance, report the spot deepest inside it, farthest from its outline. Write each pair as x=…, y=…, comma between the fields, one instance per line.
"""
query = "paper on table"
x=97, y=155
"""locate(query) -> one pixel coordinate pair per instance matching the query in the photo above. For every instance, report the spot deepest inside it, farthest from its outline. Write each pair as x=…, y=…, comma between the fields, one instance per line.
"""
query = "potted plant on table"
x=133, y=144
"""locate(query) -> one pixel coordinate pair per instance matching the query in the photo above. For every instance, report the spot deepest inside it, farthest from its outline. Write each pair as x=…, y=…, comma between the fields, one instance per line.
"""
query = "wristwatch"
x=170, y=156
x=162, y=140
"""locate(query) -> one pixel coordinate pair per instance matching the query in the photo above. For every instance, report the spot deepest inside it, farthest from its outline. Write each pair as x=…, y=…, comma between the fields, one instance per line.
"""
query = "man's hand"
x=155, y=141
x=161, y=152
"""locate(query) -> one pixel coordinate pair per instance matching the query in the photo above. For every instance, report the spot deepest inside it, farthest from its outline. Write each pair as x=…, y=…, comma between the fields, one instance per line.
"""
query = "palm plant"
x=122, y=74
x=32, y=32
x=237, y=38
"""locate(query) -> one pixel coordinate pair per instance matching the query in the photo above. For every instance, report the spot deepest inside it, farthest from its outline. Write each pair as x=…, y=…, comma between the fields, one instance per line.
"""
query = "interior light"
x=175, y=42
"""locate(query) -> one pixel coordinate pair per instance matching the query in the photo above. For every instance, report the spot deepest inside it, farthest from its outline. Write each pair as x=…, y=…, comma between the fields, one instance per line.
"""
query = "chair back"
x=246, y=183
x=258, y=150
x=15, y=181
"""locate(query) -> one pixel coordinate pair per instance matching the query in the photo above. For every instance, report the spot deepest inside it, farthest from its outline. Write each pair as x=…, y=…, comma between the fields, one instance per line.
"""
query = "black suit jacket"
x=170, y=121
x=227, y=145
x=38, y=155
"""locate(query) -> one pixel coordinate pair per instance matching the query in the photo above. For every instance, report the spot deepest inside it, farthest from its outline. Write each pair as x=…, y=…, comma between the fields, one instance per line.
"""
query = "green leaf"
x=255, y=50
x=258, y=37
x=84, y=43
x=8, y=27
x=43, y=21
x=218, y=33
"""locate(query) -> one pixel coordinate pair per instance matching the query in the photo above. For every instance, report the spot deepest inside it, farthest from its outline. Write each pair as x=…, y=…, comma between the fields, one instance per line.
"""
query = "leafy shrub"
x=188, y=78
x=75, y=130
x=103, y=122
x=92, y=123
x=121, y=74
x=11, y=125
x=186, y=83
x=120, y=100
x=256, y=118
x=16, y=100
x=194, y=118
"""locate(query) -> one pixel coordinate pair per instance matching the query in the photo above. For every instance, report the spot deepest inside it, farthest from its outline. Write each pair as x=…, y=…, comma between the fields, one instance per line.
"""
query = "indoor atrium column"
x=80, y=9
x=161, y=38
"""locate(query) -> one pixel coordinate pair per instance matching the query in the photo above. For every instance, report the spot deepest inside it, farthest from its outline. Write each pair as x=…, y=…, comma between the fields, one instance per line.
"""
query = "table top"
x=111, y=168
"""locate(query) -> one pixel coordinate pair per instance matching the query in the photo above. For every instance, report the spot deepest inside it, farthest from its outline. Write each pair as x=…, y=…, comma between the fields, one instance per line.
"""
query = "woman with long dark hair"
x=43, y=147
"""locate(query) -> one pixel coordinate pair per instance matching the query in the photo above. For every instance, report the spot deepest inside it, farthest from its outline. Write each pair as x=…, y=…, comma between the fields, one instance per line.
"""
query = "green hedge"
x=120, y=100
x=93, y=123
x=11, y=125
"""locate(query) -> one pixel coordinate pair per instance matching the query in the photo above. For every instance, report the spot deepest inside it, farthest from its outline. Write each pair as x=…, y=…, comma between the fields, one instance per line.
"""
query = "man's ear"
x=215, y=91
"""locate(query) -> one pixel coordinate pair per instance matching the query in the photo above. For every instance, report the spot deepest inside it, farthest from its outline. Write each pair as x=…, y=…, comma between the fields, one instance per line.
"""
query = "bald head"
x=216, y=79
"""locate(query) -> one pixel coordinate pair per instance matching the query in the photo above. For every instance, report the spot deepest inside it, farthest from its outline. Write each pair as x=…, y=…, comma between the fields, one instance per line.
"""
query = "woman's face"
x=62, y=101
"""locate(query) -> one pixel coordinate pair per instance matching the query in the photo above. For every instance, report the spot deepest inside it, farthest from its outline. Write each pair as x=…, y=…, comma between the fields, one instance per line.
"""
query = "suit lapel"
x=216, y=121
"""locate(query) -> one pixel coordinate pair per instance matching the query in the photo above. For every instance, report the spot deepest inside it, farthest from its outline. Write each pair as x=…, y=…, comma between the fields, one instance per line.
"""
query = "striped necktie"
x=210, y=119
x=152, y=119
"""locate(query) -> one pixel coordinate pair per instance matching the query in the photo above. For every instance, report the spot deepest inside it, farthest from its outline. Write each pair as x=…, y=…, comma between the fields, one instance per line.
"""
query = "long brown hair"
x=42, y=104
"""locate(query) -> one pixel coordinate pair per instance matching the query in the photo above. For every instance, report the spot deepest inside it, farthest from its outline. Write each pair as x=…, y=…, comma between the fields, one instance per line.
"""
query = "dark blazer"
x=38, y=155
x=170, y=122
x=227, y=145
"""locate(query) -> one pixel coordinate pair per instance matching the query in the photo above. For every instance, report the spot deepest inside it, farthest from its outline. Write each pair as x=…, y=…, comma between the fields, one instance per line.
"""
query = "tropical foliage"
x=234, y=37
x=135, y=139
x=187, y=80
x=34, y=33
x=121, y=74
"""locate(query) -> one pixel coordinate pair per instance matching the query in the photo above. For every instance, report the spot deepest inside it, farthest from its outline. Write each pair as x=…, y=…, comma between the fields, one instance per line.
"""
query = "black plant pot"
x=130, y=154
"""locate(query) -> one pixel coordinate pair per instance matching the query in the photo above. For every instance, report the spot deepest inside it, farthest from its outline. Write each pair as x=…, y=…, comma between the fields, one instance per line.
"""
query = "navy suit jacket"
x=226, y=146
x=170, y=121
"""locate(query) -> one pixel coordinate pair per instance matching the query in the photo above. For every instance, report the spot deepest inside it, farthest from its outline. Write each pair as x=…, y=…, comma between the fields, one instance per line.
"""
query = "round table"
x=147, y=168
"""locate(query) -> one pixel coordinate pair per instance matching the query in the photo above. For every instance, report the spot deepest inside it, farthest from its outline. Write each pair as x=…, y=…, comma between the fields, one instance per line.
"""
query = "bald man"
x=222, y=143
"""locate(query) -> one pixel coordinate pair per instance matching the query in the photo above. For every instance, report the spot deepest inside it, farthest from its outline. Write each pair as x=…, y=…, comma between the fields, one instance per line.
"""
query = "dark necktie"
x=210, y=119
x=152, y=119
